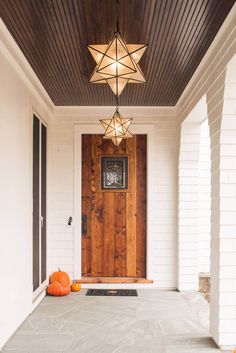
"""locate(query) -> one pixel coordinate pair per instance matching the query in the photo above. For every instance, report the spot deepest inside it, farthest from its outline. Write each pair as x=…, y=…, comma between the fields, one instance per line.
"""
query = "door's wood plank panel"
x=114, y=224
x=97, y=151
x=141, y=212
x=120, y=224
x=97, y=235
x=108, y=148
x=96, y=210
x=108, y=233
x=120, y=235
x=131, y=210
x=86, y=202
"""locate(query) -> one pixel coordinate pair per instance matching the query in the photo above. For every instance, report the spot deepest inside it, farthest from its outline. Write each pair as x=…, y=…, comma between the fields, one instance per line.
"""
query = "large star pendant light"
x=116, y=128
x=117, y=63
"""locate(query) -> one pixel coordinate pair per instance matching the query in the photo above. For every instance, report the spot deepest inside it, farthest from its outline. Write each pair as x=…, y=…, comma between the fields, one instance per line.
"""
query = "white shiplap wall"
x=188, y=207
x=162, y=267
x=61, y=237
x=165, y=170
x=194, y=199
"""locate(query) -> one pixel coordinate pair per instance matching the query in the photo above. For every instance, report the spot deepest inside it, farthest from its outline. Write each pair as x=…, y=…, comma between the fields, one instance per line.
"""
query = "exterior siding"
x=188, y=207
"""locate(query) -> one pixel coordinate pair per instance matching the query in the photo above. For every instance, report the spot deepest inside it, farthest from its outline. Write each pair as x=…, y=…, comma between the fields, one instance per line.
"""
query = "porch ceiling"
x=54, y=34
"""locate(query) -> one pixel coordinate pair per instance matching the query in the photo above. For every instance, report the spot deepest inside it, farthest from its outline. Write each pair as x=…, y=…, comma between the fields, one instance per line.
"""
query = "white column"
x=188, y=207
x=204, y=200
x=221, y=102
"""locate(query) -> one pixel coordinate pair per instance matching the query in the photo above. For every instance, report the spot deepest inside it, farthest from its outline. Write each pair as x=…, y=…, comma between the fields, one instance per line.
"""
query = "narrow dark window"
x=43, y=202
x=39, y=202
x=36, y=185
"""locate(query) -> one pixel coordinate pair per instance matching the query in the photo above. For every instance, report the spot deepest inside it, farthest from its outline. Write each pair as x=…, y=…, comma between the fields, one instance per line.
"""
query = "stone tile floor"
x=154, y=322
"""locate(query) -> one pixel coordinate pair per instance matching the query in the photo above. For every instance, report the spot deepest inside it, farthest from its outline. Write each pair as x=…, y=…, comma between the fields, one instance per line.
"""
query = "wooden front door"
x=113, y=220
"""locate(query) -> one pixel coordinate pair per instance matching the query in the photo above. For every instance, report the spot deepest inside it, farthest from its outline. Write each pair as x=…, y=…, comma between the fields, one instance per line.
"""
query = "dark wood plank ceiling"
x=54, y=34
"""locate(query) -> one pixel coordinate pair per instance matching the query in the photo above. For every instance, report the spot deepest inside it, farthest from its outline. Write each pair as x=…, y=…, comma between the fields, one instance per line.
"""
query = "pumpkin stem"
x=59, y=269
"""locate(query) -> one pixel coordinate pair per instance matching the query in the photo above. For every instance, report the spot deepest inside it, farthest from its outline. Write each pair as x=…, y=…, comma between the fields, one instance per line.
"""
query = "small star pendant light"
x=116, y=128
x=117, y=62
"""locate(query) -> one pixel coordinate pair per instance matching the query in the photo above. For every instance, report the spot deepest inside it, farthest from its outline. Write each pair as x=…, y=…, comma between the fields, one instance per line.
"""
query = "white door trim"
x=79, y=130
x=42, y=285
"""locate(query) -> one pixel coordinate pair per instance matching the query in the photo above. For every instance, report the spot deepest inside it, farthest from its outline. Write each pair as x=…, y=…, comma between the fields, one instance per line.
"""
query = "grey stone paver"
x=154, y=322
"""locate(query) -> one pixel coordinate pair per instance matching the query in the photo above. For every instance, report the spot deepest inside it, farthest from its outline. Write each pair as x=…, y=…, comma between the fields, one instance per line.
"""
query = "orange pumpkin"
x=57, y=289
x=61, y=277
x=75, y=287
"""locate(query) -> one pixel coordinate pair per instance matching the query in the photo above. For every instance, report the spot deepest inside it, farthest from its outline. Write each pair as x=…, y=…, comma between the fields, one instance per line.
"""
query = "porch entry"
x=114, y=207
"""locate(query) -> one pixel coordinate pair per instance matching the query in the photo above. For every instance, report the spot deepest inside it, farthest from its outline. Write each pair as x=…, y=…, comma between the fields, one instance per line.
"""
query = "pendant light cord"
x=117, y=103
x=117, y=30
x=118, y=15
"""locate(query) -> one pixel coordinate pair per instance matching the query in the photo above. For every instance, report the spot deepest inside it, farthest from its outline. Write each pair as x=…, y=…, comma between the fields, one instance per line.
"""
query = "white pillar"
x=221, y=101
x=204, y=200
x=188, y=276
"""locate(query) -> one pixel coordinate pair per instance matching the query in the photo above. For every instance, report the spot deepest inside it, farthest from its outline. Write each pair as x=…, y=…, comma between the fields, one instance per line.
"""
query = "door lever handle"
x=84, y=224
x=69, y=221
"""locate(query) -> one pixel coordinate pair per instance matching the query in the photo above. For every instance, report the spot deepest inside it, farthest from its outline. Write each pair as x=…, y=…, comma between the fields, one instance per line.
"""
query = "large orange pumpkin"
x=61, y=277
x=75, y=287
x=58, y=289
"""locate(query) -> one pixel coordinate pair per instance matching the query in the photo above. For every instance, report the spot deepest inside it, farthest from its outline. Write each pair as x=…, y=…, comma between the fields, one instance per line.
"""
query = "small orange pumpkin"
x=57, y=289
x=75, y=287
x=61, y=277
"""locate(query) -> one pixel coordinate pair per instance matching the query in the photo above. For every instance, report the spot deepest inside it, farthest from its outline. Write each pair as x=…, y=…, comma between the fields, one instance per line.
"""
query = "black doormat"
x=113, y=292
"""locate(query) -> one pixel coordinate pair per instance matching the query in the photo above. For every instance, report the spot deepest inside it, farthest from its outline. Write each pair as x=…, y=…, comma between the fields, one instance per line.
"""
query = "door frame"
x=40, y=115
x=79, y=130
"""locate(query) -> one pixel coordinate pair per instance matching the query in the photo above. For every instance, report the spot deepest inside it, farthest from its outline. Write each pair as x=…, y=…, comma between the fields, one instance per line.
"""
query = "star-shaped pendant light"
x=117, y=63
x=116, y=128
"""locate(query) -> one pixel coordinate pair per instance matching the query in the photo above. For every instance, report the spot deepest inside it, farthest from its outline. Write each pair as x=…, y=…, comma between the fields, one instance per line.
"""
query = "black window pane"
x=36, y=129
x=43, y=201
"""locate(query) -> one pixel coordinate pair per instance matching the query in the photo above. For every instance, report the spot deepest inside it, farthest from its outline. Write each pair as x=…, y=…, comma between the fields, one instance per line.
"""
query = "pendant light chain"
x=117, y=102
x=118, y=16
x=118, y=31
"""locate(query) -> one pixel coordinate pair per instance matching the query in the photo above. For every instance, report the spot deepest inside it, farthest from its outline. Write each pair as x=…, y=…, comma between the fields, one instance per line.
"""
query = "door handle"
x=84, y=224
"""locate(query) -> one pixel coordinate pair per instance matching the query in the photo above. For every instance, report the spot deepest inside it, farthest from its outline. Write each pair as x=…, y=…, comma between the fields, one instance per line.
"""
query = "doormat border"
x=112, y=292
